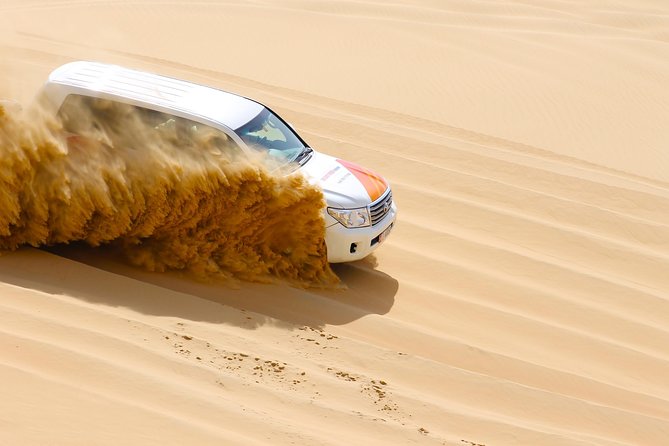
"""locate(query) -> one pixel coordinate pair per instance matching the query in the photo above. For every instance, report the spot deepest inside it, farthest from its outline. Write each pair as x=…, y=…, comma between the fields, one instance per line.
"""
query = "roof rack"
x=152, y=91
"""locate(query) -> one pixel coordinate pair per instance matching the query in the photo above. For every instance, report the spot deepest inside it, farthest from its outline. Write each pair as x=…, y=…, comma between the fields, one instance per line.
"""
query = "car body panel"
x=345, y=185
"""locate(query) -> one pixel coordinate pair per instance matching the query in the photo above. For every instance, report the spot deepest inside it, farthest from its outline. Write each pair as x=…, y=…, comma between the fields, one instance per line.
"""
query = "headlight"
x=351, y=218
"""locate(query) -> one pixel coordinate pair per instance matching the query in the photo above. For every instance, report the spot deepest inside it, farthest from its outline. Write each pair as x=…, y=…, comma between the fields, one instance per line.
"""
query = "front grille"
x=381, y=207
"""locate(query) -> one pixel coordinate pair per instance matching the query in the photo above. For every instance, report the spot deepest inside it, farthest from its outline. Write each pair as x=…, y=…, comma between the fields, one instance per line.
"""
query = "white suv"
x=360, y=210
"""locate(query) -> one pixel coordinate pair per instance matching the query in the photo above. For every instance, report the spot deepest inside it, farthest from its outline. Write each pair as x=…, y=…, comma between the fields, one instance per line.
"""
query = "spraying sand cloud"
x=169, y=194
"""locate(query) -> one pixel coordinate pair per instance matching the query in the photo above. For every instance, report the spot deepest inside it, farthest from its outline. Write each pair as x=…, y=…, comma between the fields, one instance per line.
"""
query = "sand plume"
x=168, y=197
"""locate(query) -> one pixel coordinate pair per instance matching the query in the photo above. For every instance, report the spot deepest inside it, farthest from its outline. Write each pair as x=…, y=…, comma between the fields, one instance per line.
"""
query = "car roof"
x=154, y=91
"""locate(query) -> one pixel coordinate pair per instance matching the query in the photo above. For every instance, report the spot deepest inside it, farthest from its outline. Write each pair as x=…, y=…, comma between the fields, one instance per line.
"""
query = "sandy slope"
x=522, y=300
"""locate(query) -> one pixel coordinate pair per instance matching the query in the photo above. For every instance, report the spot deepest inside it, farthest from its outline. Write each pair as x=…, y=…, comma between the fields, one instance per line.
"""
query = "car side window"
x=110, y=121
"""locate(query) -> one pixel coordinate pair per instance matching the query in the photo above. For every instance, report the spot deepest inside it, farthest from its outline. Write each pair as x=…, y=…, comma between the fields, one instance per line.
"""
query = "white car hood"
x=344, y=184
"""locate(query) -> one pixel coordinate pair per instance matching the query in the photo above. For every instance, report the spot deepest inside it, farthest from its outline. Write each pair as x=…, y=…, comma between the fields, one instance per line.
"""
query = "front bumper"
x=349, y=244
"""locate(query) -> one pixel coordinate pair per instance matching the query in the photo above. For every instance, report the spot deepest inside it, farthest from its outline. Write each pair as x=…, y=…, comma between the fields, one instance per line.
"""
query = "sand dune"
x=523, y=298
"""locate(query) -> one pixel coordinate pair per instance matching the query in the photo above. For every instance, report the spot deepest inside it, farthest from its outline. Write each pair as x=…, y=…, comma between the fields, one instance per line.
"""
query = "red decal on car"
x=374, y=184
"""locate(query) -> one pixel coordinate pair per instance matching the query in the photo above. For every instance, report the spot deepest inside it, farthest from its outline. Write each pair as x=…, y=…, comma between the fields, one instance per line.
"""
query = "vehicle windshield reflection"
x=269, y=133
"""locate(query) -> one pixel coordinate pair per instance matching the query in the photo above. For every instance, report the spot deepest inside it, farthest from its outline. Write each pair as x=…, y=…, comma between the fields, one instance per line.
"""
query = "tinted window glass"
x=118, y=123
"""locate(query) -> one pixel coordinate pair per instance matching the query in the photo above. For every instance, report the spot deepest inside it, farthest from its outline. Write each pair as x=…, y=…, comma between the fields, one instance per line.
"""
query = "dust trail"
x=169, y=196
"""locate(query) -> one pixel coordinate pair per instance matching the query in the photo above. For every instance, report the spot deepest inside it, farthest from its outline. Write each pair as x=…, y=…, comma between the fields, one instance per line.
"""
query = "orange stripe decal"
x=373, y=183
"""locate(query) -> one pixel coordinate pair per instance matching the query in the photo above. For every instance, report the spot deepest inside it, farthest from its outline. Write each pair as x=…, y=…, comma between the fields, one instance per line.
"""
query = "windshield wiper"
x=304, y=155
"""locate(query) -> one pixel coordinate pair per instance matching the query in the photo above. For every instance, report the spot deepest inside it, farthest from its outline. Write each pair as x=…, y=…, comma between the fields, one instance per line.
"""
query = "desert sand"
x=523, y=298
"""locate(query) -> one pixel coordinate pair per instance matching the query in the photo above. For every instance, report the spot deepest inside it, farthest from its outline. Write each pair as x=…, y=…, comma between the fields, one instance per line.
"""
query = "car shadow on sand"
x=84, y=273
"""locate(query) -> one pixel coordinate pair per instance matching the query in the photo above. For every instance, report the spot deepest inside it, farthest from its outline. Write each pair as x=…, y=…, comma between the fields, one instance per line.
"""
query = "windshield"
x=268, y=132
